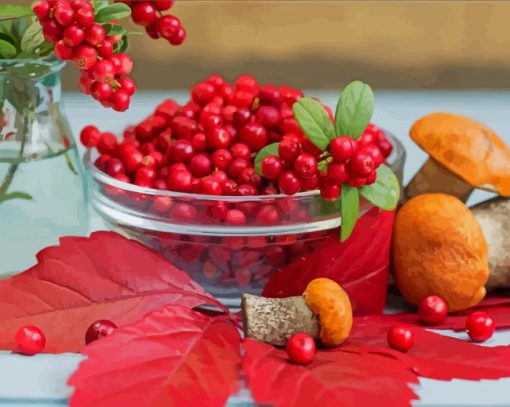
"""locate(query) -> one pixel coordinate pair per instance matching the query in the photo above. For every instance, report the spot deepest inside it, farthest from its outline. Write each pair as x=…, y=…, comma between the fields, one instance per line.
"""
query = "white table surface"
x=40, y=380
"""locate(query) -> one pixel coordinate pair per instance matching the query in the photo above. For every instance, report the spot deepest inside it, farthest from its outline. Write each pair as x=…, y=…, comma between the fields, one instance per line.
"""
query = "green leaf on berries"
x=99, y=4
x=32, y=37
x=114, y=29
x=354, y=109
x=349, y=210
x=314, y=121
x=7, y=50
x=112, y=12
x=123, y=45
x=15, y=11
x=15, y=195
x=385, y=191
x=271, y=149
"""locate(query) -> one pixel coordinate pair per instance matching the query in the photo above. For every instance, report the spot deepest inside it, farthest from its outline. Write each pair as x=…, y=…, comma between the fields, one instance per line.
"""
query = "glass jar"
x=42, y=194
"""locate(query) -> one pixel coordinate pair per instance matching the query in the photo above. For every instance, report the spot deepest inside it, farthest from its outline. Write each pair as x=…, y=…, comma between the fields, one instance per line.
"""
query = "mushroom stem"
x=494, y=218
x=275, y=320
x=433, y=177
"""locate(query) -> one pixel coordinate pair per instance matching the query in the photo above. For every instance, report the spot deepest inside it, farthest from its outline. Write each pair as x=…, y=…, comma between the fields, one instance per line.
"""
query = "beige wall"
x=419, y=44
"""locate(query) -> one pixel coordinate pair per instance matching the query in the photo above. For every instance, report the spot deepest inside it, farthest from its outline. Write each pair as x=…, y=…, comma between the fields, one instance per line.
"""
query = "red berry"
x=114, y=167
x=268, y=215
x=63, y=51
x=401, y=338
x=123, y=178
x=374, y=152
x=86, y=81
x=268, y=116
x=107, y=143
x=371, y=178
x=305, y=165
x=310, y=183
x=123, y=64
x=246, y=190
x=120, y=101
x=289, y=149
x=210, y=121
x=241, y=117
x=250, y=176
x=246, y=82
x=180, y=181
x=167, y=26
x=235, y=217
x=199, y=142
x=90, y=136
x=271, y=167
x=30, y=340
x=101, y=91
x=202, y=93
x=221, y=175
x=200, y=165
x=237, y=166
x=289, y=183
x=254, y=135
x=73, y=36
x=132, y=160
x=98, y=330
x=330, y=191
x=162, y=5
x=342, y=148
x=105, y=49
x=181, y=151
x=301, y=348
x=222, y=158
x=63, y=13
x=218, y=138
x=386, y=147
x=127, y=85
x=270, y=95
x=84, y=17
x=480, y=326
x=209, y=186
x=103, y=71
x=337, y=173
x=360, y=165
x=183, y=212
x=178, y=38
x=42, y=10
x=240, y=150
x=95, y=35
x=143, y=13
x=432, y=310
x=85, y=57
x=356, y=182
x=229, y=187
x=52, y=31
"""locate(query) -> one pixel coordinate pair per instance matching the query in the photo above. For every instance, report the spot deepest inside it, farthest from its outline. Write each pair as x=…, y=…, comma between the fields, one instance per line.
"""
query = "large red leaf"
x=434, y=355
x=359, y=265
x=342, y=377
x=105, y=276
x=172, y=357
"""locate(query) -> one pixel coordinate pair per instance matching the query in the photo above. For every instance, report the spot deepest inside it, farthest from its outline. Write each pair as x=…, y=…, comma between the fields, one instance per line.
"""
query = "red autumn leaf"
x=172, y=357
x=105, y=276
x=341, y=377
x=363, y=261
x=433, y=355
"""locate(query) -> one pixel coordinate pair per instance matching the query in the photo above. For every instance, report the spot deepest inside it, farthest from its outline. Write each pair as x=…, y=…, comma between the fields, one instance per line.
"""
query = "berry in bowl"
x=256, y=188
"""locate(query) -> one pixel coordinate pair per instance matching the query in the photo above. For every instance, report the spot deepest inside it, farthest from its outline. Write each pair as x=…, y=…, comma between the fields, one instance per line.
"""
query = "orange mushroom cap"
x=331, y=304
x=467, y=148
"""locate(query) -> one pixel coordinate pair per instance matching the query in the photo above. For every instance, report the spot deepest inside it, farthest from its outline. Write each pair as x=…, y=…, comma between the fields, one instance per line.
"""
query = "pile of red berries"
x=70, y=25
x=148, y=14
x=209, y=145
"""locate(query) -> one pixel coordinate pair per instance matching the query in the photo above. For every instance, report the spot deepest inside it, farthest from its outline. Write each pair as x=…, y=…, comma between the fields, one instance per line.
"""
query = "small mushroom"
x=464, y=155
x=323, y=311
x=494, y=218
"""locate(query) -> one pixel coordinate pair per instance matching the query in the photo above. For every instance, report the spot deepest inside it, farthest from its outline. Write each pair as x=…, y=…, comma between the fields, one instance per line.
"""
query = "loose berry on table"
x=480, y=326
x=30, y=340
x=301, y=348
x=432, y=310
x=400, y=338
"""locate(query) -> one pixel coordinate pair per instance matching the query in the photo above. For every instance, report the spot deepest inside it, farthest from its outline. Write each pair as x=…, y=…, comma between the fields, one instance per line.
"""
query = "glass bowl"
x=276, y=254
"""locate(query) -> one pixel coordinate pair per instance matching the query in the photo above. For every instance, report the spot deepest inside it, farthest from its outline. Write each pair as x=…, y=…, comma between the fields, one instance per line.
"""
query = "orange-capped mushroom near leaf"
x=324, y=311
x=439, y=248
x=463, y=154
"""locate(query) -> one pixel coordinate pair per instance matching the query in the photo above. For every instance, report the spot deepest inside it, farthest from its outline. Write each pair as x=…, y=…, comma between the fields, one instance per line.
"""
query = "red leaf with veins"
x=84, y=279
x=340, y=377
x=172, y=357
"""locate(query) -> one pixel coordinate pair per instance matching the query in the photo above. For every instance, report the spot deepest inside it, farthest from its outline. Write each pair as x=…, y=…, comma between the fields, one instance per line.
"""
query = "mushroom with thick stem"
x=464, y=155
x=494, y=218
x=323, y=311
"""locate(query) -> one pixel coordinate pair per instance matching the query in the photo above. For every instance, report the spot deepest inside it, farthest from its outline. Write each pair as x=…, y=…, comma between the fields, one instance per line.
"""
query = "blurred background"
x=325, y=44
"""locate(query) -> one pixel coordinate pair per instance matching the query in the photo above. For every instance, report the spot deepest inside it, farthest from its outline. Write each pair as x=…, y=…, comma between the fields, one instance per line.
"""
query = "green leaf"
x=314, y=121
x=32, y=37
x=7, y=50
x=6, y=33
x=112, y=12
x=349, y=211
x=354, y=109
x=114, y=29
x=15, y=195
x=271, y=149
x=12, y=10
x=123, y=44
x=385, y=191
x=70, y=164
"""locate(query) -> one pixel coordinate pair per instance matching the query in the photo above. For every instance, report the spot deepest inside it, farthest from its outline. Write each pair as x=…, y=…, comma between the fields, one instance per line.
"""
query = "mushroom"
x=464, y=154
x=323, y=311
x=494, y=218
x=439, y=249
